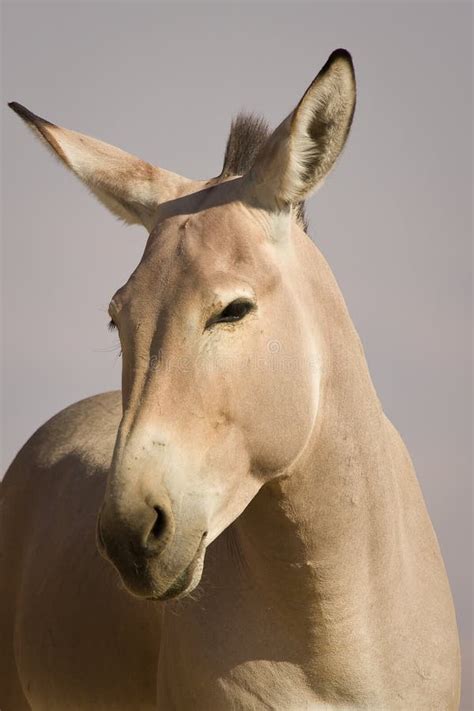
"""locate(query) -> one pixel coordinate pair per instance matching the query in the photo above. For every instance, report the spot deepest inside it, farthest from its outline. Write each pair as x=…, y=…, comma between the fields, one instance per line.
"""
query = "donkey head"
x=221, y=364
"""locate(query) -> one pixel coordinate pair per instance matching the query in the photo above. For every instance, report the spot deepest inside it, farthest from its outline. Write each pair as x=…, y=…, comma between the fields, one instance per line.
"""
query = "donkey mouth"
x=188, y=579
x=151, y=576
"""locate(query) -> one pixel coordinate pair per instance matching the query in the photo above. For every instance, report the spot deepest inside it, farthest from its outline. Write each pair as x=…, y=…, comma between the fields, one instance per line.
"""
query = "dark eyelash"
x=112, y=326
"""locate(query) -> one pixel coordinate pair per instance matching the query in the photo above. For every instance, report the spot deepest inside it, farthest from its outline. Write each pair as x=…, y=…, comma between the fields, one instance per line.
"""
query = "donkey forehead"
x=221, y=223
x=210, y=250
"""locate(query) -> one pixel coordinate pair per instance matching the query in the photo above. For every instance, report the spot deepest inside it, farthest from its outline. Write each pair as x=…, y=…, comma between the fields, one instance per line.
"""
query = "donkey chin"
x=171, y=574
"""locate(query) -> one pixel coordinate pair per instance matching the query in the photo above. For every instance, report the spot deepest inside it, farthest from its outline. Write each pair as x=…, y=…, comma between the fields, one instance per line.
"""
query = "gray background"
x=394, y=219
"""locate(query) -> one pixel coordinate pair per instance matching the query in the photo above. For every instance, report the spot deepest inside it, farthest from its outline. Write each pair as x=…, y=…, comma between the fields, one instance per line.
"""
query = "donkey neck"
x=332, y=523
x=325, y=541
x=343, y=490
x=302, y=586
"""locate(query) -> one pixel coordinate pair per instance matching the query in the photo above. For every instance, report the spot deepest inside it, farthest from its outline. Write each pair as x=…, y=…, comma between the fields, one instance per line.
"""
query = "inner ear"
x=302, y=150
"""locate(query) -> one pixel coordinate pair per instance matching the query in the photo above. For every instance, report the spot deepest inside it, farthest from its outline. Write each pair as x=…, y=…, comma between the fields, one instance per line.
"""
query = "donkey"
x=248, y=435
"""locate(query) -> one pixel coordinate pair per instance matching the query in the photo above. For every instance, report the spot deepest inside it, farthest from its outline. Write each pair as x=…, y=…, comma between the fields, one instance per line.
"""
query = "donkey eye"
x=235, y=311
x=111, y=325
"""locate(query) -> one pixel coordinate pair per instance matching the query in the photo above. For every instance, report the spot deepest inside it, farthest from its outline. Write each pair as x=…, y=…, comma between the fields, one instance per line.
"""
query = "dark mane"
x=247, y=135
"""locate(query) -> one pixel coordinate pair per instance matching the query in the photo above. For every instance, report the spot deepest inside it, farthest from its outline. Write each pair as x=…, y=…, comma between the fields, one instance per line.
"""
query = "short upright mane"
x=247, y=135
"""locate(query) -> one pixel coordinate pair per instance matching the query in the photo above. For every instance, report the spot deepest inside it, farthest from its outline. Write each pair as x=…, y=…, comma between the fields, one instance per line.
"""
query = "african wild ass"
x=247, y=434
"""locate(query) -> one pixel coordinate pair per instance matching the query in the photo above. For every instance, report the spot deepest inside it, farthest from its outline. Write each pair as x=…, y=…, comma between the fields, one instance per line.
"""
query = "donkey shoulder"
x=84, y=431
x=61, y=604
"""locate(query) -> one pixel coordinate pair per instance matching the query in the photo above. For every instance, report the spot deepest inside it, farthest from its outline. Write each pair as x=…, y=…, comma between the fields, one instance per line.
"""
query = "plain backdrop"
x=394, y=219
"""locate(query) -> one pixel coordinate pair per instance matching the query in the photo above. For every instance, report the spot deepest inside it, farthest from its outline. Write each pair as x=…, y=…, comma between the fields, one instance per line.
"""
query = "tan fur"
x=128, y=186
x=305, y=146
x=246, y=477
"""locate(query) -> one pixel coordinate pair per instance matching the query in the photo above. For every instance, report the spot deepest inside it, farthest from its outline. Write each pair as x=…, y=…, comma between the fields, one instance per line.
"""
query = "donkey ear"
x=129, y=187
x=302, y=150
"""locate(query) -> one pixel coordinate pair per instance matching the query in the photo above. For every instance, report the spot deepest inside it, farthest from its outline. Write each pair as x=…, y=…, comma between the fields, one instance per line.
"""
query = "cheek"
x=279, y=415
x=276, y=401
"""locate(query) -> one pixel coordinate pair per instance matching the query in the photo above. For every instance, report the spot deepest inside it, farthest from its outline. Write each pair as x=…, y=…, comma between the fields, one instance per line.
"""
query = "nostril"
x=158, y=528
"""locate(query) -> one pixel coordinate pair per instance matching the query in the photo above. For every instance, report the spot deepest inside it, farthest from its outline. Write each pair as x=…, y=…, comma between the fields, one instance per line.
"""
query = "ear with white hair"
x=299, y=154
x=128, y=186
